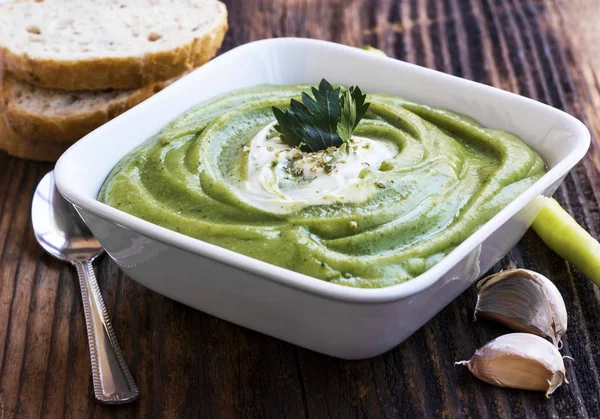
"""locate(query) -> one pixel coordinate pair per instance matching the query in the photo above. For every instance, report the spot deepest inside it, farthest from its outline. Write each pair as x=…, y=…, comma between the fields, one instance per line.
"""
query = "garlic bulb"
x=519, y=360
x=525, y=301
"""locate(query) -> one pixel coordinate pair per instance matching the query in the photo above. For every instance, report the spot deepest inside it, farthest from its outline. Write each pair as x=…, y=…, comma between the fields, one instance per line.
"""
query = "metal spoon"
x=62, y=233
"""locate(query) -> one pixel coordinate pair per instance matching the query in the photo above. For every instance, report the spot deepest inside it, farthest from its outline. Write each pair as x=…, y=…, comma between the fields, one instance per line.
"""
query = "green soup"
x=412, y=184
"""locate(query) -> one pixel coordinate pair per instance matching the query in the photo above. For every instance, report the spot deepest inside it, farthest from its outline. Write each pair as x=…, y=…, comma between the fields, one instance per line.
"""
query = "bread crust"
x=19, y=146
x=67, y=127
x=115, y=72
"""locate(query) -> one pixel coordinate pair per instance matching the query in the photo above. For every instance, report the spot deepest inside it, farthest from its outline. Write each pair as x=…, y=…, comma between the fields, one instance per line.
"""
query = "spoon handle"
x=113, y=383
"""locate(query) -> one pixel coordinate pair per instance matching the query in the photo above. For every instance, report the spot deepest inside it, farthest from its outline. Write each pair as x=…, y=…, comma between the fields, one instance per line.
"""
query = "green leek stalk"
x=374, y=50
x=568, y=239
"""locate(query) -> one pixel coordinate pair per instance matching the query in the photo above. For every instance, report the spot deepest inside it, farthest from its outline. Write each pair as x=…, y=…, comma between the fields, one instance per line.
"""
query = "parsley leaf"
x=327, y=120
x=354, y=109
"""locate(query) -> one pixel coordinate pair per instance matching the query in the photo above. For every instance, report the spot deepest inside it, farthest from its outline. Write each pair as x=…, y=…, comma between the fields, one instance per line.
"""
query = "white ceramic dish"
x=336, y=320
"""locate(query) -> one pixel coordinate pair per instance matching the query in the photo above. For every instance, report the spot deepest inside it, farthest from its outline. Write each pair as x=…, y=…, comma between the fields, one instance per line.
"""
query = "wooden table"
x=189, y=364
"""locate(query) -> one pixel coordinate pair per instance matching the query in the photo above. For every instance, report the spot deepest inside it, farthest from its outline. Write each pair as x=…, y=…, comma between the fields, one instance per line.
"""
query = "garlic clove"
x=519, y=360
x=525, y=301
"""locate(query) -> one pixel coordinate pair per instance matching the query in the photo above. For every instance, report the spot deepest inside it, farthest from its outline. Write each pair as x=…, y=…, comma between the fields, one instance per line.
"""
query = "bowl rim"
x=297, y=280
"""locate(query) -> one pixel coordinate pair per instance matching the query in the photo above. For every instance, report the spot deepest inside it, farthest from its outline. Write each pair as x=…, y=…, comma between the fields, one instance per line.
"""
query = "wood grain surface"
x=189, y=364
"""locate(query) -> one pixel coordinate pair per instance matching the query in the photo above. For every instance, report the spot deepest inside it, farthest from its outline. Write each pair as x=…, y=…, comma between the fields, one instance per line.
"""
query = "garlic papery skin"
x=519, y=360
x=525, y=301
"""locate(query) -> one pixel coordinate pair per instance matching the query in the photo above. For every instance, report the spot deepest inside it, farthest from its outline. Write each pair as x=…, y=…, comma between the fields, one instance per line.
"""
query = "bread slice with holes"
x=62, y=115
x=108, y=44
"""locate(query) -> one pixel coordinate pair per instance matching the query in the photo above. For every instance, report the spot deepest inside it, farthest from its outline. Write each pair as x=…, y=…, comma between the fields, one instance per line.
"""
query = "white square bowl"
x=333, y=319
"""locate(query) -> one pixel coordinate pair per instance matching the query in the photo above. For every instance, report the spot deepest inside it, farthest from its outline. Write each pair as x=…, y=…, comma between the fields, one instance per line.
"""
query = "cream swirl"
x=282, y=179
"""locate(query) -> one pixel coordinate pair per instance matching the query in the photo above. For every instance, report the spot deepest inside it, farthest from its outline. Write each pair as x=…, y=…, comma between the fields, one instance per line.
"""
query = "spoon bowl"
x=57, y=226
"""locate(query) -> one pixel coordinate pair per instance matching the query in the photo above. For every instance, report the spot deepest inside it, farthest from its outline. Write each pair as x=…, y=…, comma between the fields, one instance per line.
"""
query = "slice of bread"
x=108, y=44
x=62, y=115
x=25, y=148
